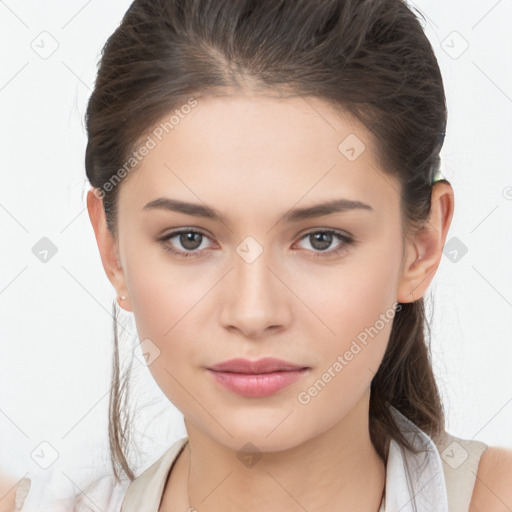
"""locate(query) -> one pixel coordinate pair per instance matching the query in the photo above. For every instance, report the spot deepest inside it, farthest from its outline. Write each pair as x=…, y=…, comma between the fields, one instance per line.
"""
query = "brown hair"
x=369, y=58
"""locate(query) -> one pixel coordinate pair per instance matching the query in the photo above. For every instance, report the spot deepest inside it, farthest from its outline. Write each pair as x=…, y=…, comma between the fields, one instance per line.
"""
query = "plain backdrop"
x=56, y=324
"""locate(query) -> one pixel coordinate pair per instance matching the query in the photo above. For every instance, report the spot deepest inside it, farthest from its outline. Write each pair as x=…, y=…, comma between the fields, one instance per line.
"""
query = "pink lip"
x=256, y=378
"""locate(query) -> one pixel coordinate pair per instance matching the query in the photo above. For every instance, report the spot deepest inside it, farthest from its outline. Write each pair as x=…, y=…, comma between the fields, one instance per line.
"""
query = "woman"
x=267, y=201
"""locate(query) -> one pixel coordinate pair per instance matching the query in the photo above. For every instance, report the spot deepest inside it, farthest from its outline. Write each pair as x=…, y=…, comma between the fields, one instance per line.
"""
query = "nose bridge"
x=256, y=298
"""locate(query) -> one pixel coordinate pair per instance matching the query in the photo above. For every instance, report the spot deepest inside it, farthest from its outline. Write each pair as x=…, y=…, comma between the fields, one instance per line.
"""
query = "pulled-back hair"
x=368, y=58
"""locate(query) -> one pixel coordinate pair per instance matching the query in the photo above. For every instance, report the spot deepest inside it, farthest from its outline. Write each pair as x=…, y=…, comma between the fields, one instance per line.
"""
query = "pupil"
x=187, y=240
x=325, y=240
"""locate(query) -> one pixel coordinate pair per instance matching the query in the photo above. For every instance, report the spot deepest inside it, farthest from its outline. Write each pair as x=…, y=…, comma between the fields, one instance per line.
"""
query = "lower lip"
x=257, y=384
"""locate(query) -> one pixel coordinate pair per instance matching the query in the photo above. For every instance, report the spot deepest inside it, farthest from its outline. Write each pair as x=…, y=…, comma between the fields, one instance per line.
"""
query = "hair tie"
x=438, y=176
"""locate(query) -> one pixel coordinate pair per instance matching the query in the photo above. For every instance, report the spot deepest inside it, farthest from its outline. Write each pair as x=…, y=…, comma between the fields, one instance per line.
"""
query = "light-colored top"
x=440, y=478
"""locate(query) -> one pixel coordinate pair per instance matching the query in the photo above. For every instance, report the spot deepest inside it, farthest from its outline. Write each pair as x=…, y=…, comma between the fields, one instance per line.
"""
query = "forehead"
x=262, y=151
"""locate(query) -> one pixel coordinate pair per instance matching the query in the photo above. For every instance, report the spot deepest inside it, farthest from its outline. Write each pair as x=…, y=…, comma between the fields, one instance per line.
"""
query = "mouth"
x=265, y=365
x=260, y=378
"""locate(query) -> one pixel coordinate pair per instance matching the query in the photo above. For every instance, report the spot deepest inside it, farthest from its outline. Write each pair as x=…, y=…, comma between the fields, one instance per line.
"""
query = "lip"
x=260, y=378
x=265, y=365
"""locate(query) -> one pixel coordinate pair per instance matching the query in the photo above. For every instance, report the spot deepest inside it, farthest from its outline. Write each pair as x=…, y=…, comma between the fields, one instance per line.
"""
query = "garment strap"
x=460, y=459
x=145, y=493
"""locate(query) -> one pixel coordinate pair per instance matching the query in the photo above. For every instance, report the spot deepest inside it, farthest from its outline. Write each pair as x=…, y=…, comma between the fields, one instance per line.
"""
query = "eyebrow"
x=294, y=215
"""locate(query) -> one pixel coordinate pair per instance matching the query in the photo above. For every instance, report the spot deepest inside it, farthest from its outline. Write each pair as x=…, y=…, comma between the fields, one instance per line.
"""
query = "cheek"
x=351, y=297
x=361, y=315
x=169, y=302
x=164, y=296
x=355, y=310
x=164, y=301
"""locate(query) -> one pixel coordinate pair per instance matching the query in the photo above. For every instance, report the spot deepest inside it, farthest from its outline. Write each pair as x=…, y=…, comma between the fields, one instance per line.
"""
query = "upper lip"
x=265, y=365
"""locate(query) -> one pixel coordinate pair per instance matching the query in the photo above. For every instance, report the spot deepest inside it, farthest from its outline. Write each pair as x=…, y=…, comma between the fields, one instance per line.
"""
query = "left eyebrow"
x=294, y=215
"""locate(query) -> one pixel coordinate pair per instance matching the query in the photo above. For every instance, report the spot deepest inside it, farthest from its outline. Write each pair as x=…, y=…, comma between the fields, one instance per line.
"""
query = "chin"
x=268, y=433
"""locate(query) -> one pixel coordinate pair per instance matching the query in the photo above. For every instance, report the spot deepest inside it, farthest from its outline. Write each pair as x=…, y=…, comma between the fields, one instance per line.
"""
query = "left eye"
x=191, y=242
x=321, y=240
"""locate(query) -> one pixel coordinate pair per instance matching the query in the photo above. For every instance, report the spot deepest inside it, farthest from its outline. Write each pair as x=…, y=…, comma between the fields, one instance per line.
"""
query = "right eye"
x=189, y=239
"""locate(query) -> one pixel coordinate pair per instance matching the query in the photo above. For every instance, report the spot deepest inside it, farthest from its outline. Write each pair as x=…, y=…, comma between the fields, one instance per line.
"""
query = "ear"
x=423, y=254
x=108, y=247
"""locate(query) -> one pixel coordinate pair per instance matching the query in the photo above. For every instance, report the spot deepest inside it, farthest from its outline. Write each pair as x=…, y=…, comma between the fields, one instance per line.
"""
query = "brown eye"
x=320, y=241
x=188, y=242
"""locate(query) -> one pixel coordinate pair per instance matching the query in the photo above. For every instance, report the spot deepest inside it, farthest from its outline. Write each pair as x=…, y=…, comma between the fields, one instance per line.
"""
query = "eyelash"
x=347, y=241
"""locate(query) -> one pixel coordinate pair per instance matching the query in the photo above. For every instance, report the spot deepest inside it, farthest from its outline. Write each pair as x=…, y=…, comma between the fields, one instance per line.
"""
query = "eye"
x=322, y=240
x=189, y=239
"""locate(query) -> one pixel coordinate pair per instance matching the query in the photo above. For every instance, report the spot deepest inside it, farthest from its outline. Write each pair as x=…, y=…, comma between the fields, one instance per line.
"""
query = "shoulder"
x=105, y=492
x=493, y=485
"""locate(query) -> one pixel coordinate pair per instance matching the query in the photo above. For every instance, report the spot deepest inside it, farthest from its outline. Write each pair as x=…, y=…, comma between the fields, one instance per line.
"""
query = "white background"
x=55, y=323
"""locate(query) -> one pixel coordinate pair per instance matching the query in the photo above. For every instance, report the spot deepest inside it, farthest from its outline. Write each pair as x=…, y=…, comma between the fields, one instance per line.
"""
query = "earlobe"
x=424, y=252
x=107, y=246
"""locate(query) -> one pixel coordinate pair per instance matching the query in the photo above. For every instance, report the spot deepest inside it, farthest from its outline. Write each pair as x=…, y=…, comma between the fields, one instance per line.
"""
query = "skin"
x=253, y=158
x=8, y=487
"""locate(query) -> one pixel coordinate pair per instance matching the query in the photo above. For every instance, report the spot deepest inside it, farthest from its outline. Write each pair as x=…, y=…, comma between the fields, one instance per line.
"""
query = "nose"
x=256, y=300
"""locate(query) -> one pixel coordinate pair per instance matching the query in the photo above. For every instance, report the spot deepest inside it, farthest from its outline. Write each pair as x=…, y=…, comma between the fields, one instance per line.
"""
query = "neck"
x=339, y=466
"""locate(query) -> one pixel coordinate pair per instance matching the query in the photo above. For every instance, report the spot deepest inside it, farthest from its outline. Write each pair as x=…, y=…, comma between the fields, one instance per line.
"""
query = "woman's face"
x=266, y=280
